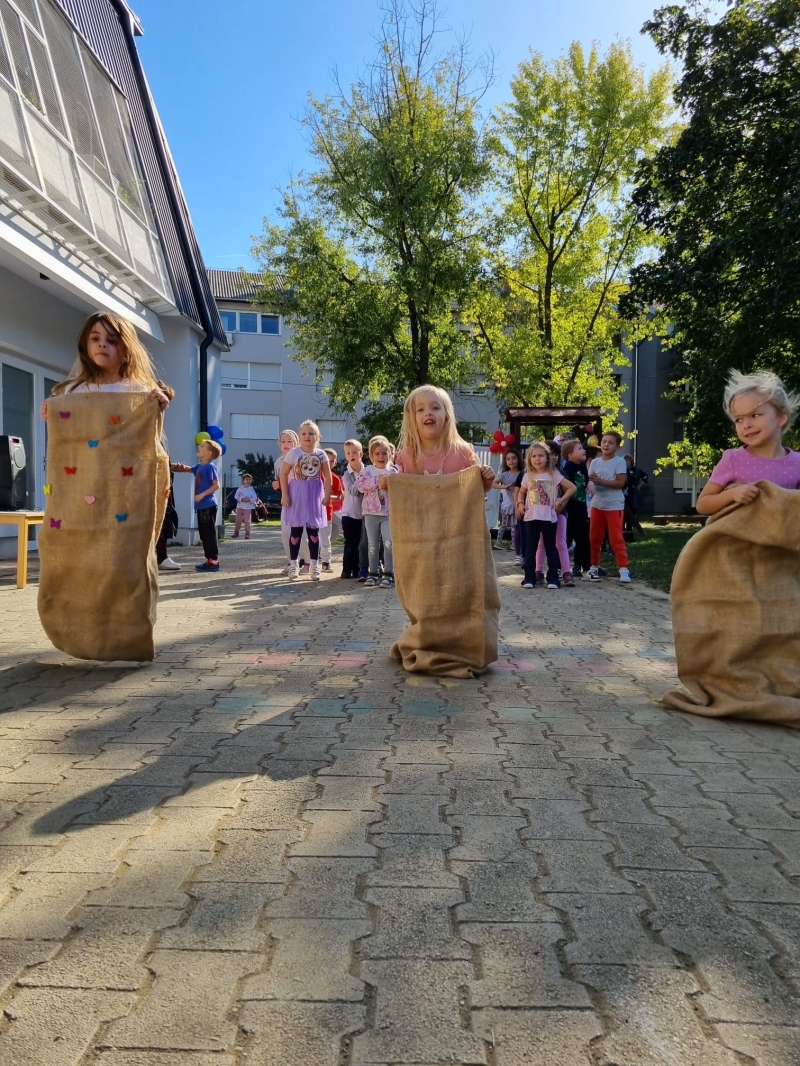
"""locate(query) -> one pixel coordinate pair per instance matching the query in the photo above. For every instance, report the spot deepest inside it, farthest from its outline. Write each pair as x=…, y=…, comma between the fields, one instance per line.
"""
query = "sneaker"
x=518, y=560
x=294, y=571
x=363, y=575
x=304, y=568
x=315, y=571
x=496, y=546
x=577, y=574
x=553, y=585
x=625, y=575
x=346, y=575
x=594, y=573
x=568, y=579
x=388, y=582
x=327, y=568
x=371, y=582
x=235, y=536
x=602, y=572
x=288, y=568
x=528, y=585
x=540, y=577
x=169, y=564
x=210, y=566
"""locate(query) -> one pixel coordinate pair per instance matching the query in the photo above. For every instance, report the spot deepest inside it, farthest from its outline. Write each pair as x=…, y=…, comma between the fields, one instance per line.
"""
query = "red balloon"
x=589, y=428
x=510, y=439
x=494, y=447
x=498, y=435
x=503, y=445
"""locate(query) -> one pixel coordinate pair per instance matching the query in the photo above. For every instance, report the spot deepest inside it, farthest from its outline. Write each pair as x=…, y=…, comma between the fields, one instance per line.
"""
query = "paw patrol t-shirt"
x=306, y=466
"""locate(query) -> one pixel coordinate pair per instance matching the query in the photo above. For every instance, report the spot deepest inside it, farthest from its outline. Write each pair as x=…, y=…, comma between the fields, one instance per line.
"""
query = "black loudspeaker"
x=13, y=479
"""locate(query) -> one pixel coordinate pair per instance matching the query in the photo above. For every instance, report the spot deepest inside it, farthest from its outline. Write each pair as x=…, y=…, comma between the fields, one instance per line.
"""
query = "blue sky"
x=231, y=80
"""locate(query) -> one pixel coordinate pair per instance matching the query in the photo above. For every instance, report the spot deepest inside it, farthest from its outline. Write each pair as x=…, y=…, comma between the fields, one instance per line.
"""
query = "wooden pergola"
x=517, y=417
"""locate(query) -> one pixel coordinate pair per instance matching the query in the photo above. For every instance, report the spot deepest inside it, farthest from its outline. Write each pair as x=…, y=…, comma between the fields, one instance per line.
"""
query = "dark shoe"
x=327, y=568
x=363, y=575
x=208, y=567
x=540, y=577
x=568, y=579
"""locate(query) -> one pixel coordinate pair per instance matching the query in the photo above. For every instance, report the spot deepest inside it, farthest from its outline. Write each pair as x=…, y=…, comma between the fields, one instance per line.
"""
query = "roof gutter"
x=130, y=27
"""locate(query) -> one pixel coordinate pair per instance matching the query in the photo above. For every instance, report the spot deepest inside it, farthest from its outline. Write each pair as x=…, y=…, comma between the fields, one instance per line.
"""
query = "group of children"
x=312, y=495
x=553, y=500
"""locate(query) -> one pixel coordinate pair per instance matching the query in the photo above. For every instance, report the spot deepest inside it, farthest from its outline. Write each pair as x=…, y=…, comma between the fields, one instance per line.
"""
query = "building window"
x=255, y=427
x=333, y=430
x=263, y=376
x=678, y=429
x=66, y=131
x=250, y=322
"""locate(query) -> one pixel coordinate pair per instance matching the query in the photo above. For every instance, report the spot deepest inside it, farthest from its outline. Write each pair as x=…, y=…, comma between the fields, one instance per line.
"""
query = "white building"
x=92, y=217
x=264, y=390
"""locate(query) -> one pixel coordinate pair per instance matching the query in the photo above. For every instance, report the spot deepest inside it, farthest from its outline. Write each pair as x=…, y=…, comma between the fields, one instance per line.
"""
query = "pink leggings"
x=561, y=547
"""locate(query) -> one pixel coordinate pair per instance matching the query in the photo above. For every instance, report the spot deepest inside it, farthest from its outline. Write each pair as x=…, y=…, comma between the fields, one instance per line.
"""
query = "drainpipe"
x=636, y=401
x=167, y=173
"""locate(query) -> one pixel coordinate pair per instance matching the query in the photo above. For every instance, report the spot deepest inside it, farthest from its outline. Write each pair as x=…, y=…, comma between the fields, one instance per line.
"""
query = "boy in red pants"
x=608, y=474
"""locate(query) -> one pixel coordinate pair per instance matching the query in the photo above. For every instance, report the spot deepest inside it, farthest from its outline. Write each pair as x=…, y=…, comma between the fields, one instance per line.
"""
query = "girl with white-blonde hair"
x=760, y=408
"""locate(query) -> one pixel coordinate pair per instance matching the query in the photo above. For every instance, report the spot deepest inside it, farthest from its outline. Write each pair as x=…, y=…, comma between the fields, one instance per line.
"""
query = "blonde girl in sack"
x=541, y=498
x=429, y=440
x=288, y=440
x=111, y=358
x=761, y=409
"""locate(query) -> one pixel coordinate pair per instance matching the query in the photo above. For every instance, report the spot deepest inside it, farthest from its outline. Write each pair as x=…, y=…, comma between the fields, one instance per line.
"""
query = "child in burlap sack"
x=760, y=409
x=111, y=358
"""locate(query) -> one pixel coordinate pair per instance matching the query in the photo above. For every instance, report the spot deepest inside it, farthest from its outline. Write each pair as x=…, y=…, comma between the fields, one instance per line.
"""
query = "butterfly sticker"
x=113, y=420
x=90, y=499
x=127, y=471
x=55, y=523
x=93, y=443
x=48, y=489
x=70, y=470
x=121, y=517
x=64, y=414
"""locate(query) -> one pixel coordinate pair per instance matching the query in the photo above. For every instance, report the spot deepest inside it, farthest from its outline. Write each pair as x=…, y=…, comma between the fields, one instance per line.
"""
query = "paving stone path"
x=271, y=846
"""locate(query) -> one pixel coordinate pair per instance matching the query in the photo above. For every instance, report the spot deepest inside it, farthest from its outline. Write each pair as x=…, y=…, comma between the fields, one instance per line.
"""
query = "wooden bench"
x=24, y=521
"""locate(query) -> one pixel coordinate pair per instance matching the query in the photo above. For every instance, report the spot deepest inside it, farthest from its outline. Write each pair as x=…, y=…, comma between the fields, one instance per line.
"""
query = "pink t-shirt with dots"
x=738, y=467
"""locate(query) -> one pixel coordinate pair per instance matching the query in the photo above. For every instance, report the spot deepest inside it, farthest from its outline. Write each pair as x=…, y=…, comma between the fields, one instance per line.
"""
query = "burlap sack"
x=736, y=613
x=444, y=574
x=107, y=486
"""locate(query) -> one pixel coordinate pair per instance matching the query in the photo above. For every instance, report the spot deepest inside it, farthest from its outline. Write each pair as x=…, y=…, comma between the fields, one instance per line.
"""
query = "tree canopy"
x=568, y=145
x=724, y=201
x=381, y=243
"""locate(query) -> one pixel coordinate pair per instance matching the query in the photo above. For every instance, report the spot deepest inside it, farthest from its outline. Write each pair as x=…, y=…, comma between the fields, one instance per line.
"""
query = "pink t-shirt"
x=459, y=458
x=541, y=493
x=738, y=467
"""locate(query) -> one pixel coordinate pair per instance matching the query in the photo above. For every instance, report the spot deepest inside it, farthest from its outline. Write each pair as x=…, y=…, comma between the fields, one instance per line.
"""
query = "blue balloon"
x=224, y=449
x=215, y=433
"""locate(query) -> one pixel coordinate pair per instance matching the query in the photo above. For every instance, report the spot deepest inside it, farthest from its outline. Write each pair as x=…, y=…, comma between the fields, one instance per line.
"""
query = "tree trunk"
x=423, y=374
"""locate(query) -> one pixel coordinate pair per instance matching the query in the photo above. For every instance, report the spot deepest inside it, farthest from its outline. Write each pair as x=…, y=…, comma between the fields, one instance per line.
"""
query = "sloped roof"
x=100, y=22
x=240, y=285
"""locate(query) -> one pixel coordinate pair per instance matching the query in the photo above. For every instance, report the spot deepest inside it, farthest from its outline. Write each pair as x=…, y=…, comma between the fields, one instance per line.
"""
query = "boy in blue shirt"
x=206, y=487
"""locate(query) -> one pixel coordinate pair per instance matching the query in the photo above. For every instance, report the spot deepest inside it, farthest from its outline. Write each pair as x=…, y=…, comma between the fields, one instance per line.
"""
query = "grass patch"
x=653, y=557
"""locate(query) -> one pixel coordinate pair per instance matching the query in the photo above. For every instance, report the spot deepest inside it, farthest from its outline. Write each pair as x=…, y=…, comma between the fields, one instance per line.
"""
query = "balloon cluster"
x=213, y=433
x=502, y=441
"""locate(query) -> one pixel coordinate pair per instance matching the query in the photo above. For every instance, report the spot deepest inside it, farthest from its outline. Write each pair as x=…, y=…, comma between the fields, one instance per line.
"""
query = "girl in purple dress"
x=306, y=496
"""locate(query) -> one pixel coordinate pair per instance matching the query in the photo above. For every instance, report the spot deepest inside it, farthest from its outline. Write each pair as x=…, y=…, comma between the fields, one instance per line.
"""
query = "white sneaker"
x=288, y=569
x=593, y=573
x=518, y=560
x=169, y=564
x=316, y=572
x=625, y=575
x=294, y=571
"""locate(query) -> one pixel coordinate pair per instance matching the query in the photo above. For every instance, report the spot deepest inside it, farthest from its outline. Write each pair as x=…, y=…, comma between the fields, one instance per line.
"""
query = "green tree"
x=547, y=322
x=724, y=201
x=261, y=469
x=379, y=244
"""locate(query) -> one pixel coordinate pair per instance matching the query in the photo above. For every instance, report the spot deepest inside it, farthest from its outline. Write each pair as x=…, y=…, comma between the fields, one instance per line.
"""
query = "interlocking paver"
x=272, y=845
